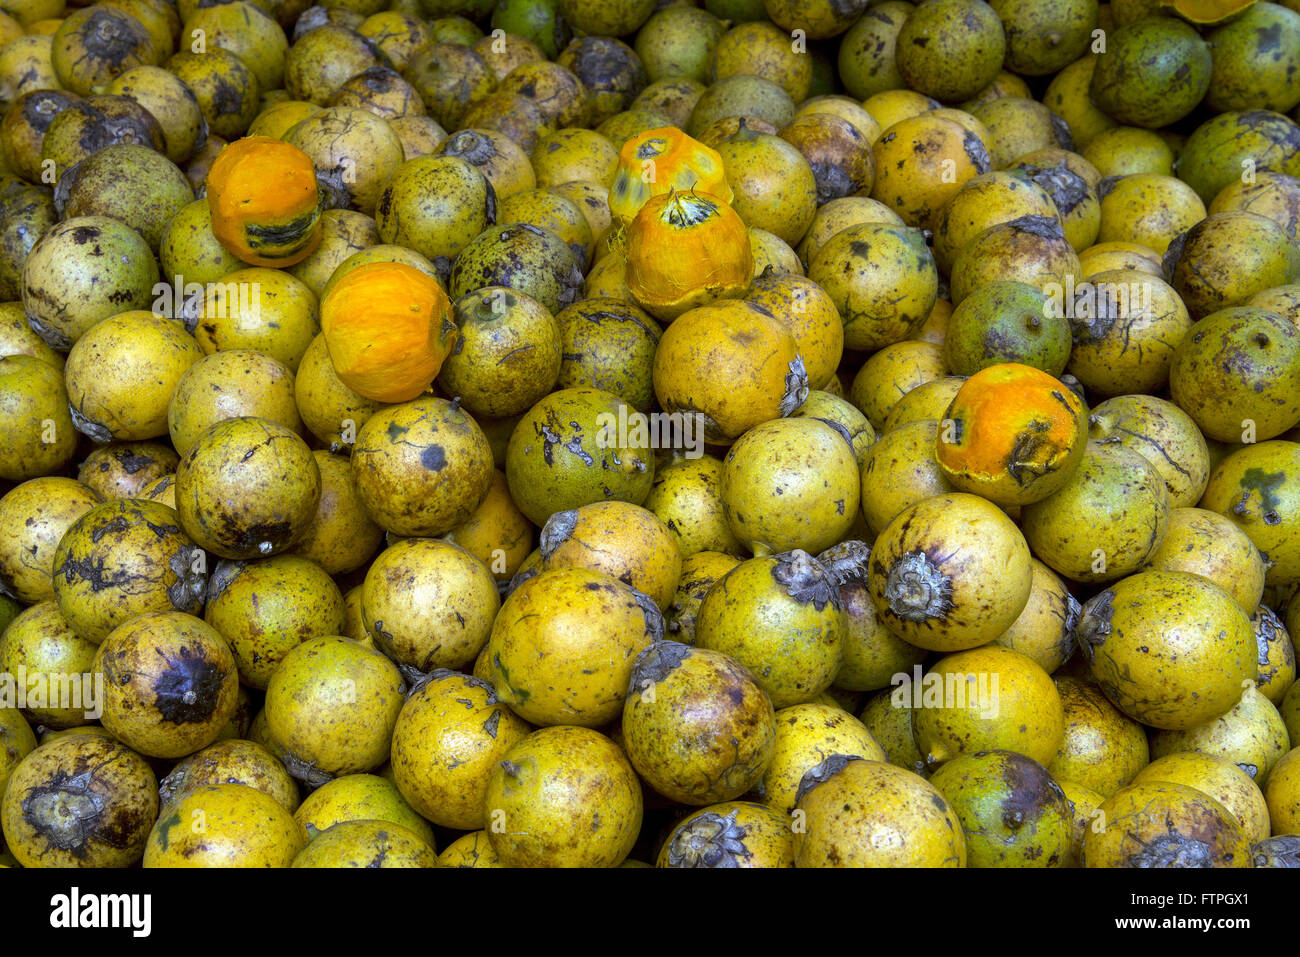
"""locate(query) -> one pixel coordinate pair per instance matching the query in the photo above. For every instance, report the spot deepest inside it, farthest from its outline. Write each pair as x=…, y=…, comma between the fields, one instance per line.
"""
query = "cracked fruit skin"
x=1172, y=650
x=871, y=814
x=1013, y=434
x=660, y=161
x=1160, y=824
x=242, y=827
x=696, y=725
x=992, y=699
x=81, y=800
x=389, y=329
x=563, y=797
x=1013, y=812
x=949, y=573
x=265, y=202
x=562, y=646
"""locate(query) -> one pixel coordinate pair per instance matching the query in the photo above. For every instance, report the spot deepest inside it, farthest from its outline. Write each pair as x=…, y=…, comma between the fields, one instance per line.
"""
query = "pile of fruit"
x=748, y=433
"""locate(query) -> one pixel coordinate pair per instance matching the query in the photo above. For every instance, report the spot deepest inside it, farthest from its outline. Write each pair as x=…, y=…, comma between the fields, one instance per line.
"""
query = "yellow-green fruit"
x=622, y=540
x=888, y=716
x=731, y=834
x=1258, y=488
x=1032, y=249
x=951, y=49
x=1102, y=748
x=1208, y=544
x=686, y=497
x=985, y=699
x=429, y=604
x=367, y=844
x=1149, y=209
x=259, y=308
x=839, y=411
x=1153, y=72
x=610, y=345
x=805, y=735
x=331, y=411
x=1013, y=813
x=1160, y=824
x=228, y=385
x=248, y=488
x=1161, y=433
x=264, y=609
x=1283, y=795
x=1083, y=803
x=359, y=797
x=42, y=656
x=331, y=706
x=781, y=617
x=232, y=761
x=988, y=199
x=562, y=646
x=16, y=742
x=1105, y=522
x=1045, y=629
x=190, y=253
x=81, y=800
x=949, y=573
x=125, y=469
x=921, y=162
x=563, y=797
x=224, y=825
x=470, y=850
x=35, y=419
x=791, y=483
x=1072, y=182
x=1220, y=779
x=1170, y=649
x=901, y=471
x=696, y=725
x=121, y=559
x=1277, y=665
x=435, y=205
x=1252, y=735
x=700, y=572
x=450, y=734
x=859, y=813
x=343, y=537
x=893, y=372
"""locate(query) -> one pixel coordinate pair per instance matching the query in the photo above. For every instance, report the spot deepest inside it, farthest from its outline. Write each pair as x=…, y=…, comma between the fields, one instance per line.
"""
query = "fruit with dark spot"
x=560, y=456
x=698, y=728
x=170, y=683
x=1103, y=748
x=1072, y=183
x=1013, y=812
x=700, y=572
x=95, y=44
x=354, y=153
x=1251, y=735
x=1237, y=373
x=234, y=761
x=609, y=344
x=123, y=558
x=83, y=270
x=1044, y=37
x=422, y=467
x=248, y=489
x=866, y=62
x=1031, y=250
x=1222, y=780
x=132, y=183
x=172, y=103
x=359, y=797
x=1208, y=544
x=1007, y=322
x=227, y=91
x=40, y=643
x=988, y=199
x=435, y=205
x=734, y=834
x=901, y=470
x=229, y=384
x=1283, y=794
x=370, y=844
x=83, y=800
x=342, y=537
x=1153, y=72
x=1045, y=629
x=1165, y=436
x=522, y=257
x=1163, y=825
x=16, y=742
x=805, y=735
x=949, y=573
x=780, y=617
x=622, y=540
x=450, y=735
x=860, y=813
x=740, y=95
x=242, y=827
x=1170, y=649
x=563, y=797
x=1256, y=60
x=951, y=49
x=1258, y=488
x=562, y=646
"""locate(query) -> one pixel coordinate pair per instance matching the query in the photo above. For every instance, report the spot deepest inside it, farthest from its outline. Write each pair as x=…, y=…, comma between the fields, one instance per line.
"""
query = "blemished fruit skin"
x=1165, y=825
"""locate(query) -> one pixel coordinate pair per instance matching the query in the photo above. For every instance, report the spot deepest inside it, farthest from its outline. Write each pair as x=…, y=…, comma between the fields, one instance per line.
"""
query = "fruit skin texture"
x=450, y=734
x=950, y=573
x=730, y=834
x=1102, y=749
x=871, y=814
x=1165, y=825
x=1222, y=780
x=696, y=725
x=243, y=827
x=367, y=844
x=1258, y=488
x=82, y=800
x=34, y=407
x=1013, y=434
x=674, y=160
x=1237, y=373
x=951, y=49
x=805, y=734
x=389, y=328
x=265, y=202
x=563, y=797
x=1012, y=811
x=1229, y=257
x=992, y=699
x=1153, y=73
x=1170, y=649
